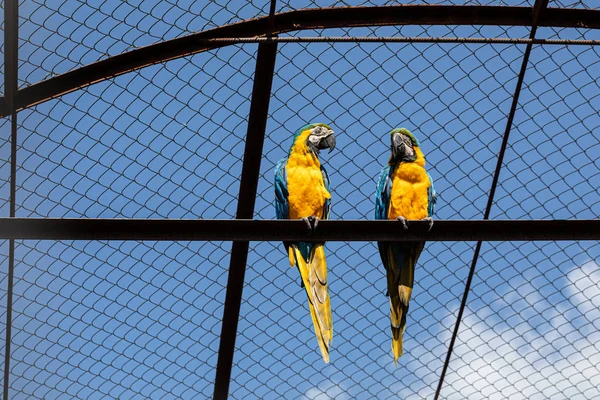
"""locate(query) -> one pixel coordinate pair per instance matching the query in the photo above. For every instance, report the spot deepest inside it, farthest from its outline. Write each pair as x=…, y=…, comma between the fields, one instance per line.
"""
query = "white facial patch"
x=314, y=139
x=317, y=134
x=409, y=145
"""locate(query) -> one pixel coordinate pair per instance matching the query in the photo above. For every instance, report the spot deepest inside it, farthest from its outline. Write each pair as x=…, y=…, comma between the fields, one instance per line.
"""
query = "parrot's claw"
x=404, y=223
x=430, y=222
x=311, y=222
x=308, y=224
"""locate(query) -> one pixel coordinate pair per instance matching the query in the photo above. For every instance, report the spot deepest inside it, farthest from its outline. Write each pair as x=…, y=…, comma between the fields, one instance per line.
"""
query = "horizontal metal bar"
x=276, y=230
x=395, y=39
x=336, y=17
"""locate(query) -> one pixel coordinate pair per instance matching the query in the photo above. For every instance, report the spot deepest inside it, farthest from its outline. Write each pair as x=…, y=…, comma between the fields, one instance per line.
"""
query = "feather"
x=320, y=312
x=318, y=285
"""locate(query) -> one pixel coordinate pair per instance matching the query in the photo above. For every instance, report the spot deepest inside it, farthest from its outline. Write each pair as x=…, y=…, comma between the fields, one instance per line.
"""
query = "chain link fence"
x=130, y=319
x=56, y=37
x=585, y=4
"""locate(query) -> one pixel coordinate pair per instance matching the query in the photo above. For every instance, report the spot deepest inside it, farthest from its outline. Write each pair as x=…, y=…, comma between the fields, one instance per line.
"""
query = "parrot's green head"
x=405, y=146
x=318, y=137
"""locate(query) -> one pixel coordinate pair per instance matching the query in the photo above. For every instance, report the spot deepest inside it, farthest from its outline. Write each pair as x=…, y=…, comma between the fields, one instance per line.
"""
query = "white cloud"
x=555, y=356
x=326, y=390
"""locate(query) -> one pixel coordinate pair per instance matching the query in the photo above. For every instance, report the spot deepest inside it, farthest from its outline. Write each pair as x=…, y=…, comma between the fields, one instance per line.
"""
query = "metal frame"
x=401, y=39
x=243, y=229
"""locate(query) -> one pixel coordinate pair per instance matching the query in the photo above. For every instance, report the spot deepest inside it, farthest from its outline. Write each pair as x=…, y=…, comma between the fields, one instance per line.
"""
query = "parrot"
x=302, y=192
x=404, y=191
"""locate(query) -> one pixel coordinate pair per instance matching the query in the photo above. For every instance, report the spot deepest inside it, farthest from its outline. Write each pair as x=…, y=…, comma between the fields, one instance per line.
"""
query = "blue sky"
x=142, y=319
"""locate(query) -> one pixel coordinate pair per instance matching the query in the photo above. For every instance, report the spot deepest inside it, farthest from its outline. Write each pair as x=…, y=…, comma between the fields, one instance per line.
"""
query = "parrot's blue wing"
x=383, y=194
x=382, y=204
x=281, y=191
x=432, y=197
x=327, y=206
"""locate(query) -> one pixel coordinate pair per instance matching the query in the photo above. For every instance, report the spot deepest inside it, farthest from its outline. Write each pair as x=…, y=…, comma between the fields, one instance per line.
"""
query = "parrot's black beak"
x=398, y=147
x=327, y=142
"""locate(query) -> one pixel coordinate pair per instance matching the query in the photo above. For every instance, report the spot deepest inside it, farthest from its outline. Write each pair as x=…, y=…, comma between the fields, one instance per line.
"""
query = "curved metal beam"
x=339, y=17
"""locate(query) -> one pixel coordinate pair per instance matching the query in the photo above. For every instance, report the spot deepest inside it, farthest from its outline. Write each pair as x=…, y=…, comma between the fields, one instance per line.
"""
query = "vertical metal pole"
x=257, y=122
x=11, y=25
x=257, y=125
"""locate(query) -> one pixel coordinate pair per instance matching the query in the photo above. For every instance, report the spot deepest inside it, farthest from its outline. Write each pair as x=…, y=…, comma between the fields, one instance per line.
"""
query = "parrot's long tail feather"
x=314, y=276
x=318, y=283
x=291, y=256
x=400, y=280
x=399, y=310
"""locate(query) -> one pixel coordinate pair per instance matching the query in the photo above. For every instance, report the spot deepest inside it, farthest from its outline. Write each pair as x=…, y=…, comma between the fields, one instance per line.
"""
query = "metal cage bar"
x=279, y=230
x=257, y=123
x=11, y=48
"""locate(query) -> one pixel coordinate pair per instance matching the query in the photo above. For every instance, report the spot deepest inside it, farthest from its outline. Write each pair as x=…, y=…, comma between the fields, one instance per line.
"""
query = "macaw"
x=302, y=192
x=404, y=191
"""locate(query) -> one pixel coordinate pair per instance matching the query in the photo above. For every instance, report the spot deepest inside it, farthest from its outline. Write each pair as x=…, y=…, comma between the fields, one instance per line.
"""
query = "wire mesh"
x=166, y=142
x=117, y=319
x=531, y=326
x=528, y=328
x=4, y=167
x=129, y=319
x=584, y=4
x=553, y=154
x=141, y=319
x=56, y=37
x=276, y=354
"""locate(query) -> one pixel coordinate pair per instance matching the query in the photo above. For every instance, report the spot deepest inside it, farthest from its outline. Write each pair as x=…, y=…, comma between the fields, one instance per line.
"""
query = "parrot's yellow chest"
x=307, y=192
x=409, y=197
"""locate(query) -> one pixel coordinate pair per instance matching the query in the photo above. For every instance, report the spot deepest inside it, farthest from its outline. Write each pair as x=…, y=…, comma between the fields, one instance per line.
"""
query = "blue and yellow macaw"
x=302, y=192
x=404, y=192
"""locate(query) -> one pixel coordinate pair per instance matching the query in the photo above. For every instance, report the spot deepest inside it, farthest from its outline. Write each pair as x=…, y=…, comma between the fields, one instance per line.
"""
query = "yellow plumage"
x=305, y=181
x=307, y=196
x=314, y=277
x=409, y=189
